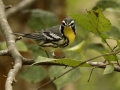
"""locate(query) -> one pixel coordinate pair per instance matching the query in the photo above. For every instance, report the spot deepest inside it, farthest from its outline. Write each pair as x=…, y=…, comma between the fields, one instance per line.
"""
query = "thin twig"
x=3, y=62
x=4, y=53
x=115, y=47
x=47, y=83
x=7, y=7
x=91, y=73
x=17, y=8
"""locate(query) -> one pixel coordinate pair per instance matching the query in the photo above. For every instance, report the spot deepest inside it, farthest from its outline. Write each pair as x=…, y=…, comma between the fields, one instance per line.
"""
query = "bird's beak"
x=68, y=25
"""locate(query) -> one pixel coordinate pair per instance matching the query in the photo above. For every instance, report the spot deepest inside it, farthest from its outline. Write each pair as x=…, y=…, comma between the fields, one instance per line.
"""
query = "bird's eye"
x=72, y=24
x=63, y=24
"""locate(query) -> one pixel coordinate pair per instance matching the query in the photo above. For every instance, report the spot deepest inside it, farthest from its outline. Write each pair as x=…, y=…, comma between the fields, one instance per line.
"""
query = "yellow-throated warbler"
x=54, y=38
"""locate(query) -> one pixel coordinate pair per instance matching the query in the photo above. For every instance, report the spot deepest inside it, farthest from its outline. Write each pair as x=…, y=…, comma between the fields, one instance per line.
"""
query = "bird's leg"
x=47, y=54
x=58, y=54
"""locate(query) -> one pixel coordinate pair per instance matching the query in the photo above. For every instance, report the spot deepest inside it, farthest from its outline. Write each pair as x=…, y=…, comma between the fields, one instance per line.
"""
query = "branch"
x=7, y=7
x=10, y=41
x=31, y=61
x=17, y=8
x=95, y=64
x=117, y=68
x=103, y=65
x=4, y=53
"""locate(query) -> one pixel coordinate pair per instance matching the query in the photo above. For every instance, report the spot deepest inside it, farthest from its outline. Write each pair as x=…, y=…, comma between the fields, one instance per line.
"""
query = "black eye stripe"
x=72, y=23
x=63, y=23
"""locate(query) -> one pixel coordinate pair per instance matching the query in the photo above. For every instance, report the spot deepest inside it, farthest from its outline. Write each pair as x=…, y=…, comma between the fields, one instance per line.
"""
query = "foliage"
x=67, y=78
x=93, y=23
x=96, y=34
x=107, y=4
x=40, y=19
x=109, y=69
x=24, y=47
x=94, y=20
x=36, y=51
x=32, y=74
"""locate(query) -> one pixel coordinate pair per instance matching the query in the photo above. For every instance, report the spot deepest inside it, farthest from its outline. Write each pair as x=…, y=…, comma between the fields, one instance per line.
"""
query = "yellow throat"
x=69, y=33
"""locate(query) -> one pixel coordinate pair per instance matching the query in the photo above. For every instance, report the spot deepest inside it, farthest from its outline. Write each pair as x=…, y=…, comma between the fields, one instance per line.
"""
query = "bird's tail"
x=23, y=35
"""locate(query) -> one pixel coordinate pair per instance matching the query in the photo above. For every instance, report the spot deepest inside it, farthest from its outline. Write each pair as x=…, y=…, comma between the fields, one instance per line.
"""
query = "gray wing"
x=49, y=34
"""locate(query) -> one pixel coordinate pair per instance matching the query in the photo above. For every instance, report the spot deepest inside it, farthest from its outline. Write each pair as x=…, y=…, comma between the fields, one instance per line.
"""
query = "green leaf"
x=65, y=61
x=107, y=4
x=110, y=57
x=104, y=37
x=94, y=21
x=118, y=43
x=36, y=51
x=83, y=21
x=20, y=45
x=41, y=19
x=77, y=48
x=34, y=74
x=114, y=32
x=96, y=46
x=72, y=76
x=103, y=24
x=109, y=69
x=3, y=46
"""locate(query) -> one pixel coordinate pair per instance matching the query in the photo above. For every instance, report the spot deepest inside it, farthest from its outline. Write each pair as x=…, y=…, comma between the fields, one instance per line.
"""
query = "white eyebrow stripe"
x=63, y=21
x=72, y=21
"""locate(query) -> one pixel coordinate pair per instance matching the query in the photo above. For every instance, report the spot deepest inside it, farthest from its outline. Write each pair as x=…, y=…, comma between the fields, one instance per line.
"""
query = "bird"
x=54, y=38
